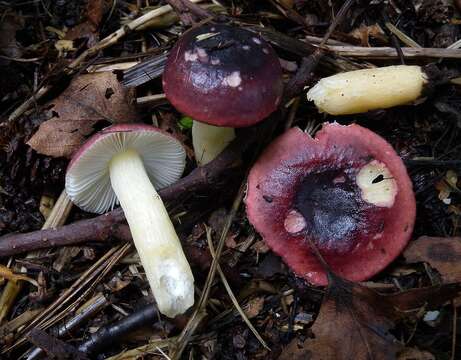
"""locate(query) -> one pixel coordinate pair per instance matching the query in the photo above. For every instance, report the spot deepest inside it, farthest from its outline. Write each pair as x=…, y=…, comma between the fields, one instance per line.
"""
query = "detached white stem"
x=159, y=248
x=209, y=141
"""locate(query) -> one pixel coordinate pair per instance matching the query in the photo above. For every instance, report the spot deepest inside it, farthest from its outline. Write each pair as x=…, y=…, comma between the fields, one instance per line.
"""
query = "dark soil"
x=283, y=307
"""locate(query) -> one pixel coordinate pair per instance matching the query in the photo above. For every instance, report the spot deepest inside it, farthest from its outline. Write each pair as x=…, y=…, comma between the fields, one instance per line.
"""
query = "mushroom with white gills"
x=224, y=77
x=125, y=163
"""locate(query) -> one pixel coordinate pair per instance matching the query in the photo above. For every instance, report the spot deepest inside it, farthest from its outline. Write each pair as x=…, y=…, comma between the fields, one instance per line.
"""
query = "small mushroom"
x=126, y=163
x=346, y=190
x=224, y=77
x=363, y=90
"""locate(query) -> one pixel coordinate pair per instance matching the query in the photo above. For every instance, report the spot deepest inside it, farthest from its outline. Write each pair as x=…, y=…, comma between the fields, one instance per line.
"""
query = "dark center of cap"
x=226, y=48
x=336, y=216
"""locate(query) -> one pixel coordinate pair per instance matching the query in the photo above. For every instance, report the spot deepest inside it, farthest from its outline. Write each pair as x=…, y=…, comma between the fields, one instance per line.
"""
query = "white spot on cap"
x=190, y=56
x=213, y=29
x=233, y=80
x=202, y=54
x=340, y=179
x=215, y=62
x=245, y=47
x=266, y=51
x=377, y=184
x=294, y=222
x=256, y=40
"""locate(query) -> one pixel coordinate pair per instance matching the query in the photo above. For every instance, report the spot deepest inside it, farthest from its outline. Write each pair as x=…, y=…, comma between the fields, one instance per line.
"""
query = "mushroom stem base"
x=159, y=248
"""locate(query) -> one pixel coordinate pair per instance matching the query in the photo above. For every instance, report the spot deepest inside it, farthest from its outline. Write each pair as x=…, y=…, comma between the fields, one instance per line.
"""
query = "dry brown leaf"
x=88, y=29
x=443, y=254
x=95, y=11
x=354, y=321
x=8, y=26
x=415, y=354
x=7, y=273
x=364, y=33
x=254, y=307
x=88, y=99
x=57, y=137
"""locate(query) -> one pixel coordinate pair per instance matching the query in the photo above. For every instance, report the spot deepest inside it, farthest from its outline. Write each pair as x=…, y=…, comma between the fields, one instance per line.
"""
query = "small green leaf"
x=185, y=123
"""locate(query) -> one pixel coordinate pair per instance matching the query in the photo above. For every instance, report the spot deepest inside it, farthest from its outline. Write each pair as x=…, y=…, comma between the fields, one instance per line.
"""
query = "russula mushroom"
x=346, y=190
x=224, y=77
x=363, y=90
x=126, y=163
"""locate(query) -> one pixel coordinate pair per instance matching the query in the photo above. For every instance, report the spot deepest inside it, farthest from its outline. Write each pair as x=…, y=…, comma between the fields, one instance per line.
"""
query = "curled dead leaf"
x=254, y=307
x=88, y=99
x=354, y=322
x=364, y=33
x=415, y=354
x=443, y=254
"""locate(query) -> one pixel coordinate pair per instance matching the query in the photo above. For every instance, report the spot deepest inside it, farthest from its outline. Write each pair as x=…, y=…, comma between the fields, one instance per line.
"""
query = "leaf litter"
x=352, y=320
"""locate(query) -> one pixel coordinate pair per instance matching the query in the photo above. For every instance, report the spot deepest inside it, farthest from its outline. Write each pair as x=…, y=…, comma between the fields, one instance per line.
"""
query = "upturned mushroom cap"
x=224, y=76
x=346, y=189
x=88, y=179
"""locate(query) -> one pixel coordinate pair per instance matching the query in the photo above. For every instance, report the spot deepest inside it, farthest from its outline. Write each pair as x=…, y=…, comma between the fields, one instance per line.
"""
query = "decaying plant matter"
x=341, y=119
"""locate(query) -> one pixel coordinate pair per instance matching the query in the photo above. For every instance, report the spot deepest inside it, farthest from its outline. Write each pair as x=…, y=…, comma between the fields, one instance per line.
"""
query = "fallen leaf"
x=364, y=33
x=443, y=254
x=430, y=297
x=260, y=247
x=9, y=25
x=415, y=354
x=7, y=273
x=95, y=11
x=254, y=307
x=88, y=29
x=270, y=266
x=88, y=99
x=447, y=185
x=57, y=137
x=354, y=322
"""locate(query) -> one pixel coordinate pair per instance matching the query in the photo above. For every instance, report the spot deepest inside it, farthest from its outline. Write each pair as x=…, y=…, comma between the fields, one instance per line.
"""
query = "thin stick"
x=308, y=64
x=391, y=53
x=200, y=310
x=231, y=293
x=338, y=18
x=75, y=294
x=204, y=178
x=101, y=45
x=57, y=217
x=87, y=311
x=59, y=213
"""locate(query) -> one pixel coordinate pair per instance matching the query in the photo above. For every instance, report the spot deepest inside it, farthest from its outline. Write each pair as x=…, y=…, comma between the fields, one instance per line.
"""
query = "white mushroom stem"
x=159, y=248
x=368, y=89
x=209, y=141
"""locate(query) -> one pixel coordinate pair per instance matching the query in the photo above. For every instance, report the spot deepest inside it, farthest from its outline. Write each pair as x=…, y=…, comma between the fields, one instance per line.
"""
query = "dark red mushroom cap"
x=223, y=75
x=346, y=189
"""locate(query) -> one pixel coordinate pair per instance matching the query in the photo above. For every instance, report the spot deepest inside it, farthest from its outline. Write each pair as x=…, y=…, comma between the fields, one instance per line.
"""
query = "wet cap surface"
x=346, y=189
x=223, y=75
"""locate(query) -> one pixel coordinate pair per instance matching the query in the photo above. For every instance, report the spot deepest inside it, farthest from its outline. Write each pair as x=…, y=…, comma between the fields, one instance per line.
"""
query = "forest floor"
x=79, y=292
